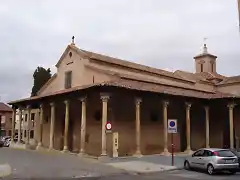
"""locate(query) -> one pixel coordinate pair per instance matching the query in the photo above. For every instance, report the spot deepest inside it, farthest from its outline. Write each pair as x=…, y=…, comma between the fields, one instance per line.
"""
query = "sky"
x=159, y=33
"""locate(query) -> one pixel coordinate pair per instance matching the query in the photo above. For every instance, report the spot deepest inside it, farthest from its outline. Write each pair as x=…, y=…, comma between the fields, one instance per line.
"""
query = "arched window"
x=201, y=66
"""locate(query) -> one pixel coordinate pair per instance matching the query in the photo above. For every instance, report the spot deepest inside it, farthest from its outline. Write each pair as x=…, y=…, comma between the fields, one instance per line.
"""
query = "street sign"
x=172, y=126
x=108, y=127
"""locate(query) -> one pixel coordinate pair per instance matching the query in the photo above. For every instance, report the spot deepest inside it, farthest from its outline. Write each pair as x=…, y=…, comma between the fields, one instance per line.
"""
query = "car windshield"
x=225, y=153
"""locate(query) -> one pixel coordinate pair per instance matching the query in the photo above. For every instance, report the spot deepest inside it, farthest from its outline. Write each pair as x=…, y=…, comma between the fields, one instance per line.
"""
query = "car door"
x=196, y=159
x=205, y=159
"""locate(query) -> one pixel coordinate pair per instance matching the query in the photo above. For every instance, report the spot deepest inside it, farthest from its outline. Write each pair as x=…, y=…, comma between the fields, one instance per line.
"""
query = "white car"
x=212, y=160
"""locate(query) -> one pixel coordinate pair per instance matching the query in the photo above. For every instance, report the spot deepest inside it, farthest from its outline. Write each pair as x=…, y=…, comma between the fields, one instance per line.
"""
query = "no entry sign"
x=108, y=126
x=172, y=126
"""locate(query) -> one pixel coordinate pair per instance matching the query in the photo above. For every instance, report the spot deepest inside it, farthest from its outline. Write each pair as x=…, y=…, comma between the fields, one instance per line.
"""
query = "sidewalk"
x=147, y=164
x=5, y=170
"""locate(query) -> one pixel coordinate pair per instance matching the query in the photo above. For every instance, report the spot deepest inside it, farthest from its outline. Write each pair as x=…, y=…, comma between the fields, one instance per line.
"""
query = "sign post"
x=172, y=129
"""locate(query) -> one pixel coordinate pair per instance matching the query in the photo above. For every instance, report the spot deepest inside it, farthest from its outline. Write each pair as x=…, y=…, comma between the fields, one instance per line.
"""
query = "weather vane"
x=73, y=40
x=205, y=40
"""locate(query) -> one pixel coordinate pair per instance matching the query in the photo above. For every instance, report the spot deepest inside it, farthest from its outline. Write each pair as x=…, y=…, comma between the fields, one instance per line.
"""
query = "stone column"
x=83, y=126
x=13, y=123
x=28, y=124
x=52, y=125
x=188, y=128
x=230, y=109
x=20, y=126
x=165, y=131
x=207, y=125
x=105, y=99
x=138, y=127
x=40, y=127
x=65, y=147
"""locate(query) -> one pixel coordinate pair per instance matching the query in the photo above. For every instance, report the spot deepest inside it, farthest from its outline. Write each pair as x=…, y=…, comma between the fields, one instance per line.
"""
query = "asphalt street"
x=172, y=175
x=35, y=165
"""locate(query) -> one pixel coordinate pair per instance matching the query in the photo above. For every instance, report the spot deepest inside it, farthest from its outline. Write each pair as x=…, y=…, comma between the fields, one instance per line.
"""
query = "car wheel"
x=210, y=169
x=187, y=165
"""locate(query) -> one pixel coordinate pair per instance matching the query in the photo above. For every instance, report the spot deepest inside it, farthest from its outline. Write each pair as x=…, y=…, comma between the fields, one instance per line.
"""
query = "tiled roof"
x=5, y=107
x=203, y=76
x=116, y=61
x=230, y=80
x=140, y=86
x=146, y=79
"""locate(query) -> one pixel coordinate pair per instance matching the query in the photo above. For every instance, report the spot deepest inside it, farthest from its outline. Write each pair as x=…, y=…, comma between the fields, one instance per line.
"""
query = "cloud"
x=160, y=33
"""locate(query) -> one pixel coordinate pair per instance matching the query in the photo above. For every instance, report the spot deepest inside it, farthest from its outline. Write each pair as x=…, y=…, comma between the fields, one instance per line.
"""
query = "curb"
x=168, y=170
x=5, y=170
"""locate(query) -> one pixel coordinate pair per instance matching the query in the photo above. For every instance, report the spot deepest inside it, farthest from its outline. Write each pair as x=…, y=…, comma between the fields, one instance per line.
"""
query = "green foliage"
x=40, y=76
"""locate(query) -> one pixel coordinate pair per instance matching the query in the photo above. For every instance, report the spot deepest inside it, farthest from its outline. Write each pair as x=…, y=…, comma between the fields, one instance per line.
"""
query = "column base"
x=65, y=149
x=188, y=151
x=51, y=149
x=138, y=154
x=81, y=154
x=165, y=153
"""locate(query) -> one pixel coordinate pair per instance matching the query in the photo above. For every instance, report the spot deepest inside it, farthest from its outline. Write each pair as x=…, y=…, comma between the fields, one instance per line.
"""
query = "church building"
x=90, y=89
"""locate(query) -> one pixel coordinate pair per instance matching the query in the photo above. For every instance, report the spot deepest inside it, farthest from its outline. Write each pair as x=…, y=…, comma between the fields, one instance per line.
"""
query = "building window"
x=70, y=54
x=93, y=80
x=212, y=66
x=25, y=133
x=26, y=117
x=32, y=116
x=68, y=79
x=31, y=134
x=201, y=66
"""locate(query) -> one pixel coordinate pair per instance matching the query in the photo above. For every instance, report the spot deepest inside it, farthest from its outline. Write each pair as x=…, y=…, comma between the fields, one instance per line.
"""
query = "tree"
x=40, y=77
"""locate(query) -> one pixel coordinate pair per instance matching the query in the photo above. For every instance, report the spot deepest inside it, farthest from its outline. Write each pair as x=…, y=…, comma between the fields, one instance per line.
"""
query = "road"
x=173, y=175
x=31, y=164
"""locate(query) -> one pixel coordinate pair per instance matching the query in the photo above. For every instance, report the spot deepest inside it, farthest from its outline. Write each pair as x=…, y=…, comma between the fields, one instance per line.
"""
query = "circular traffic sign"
x=108, y=126
x=172, y=124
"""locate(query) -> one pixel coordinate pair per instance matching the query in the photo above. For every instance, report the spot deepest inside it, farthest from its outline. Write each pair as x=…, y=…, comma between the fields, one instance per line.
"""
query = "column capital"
x=165, y=103
x=83, y=99
x=52, y=104
x=206, y=108
x=138, y=101
x=188, y=105
x=104, y=97
x=231, y=105
x=41, y=106
x=28, y=107
x=66, y=102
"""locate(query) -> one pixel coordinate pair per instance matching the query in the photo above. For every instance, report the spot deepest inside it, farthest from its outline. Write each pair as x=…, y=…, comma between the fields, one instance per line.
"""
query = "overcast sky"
x=160, y=33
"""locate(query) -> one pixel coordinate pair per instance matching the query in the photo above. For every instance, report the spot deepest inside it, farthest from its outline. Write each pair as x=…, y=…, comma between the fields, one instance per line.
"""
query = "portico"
x=78, y=123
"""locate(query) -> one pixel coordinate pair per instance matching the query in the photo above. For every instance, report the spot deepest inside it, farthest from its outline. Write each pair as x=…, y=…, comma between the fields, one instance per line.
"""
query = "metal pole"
x=172, y=149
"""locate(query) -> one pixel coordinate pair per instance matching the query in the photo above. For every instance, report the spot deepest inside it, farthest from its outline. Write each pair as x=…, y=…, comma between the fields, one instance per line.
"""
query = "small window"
x=70, y=54
x=68, y=79
x=26, y=117
x=198, y=153
x=212, y=66
x=93, y=80
x=32, y=116
x=31, y=134
x=25, y=133
x=201, y=67
x=208, y=153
